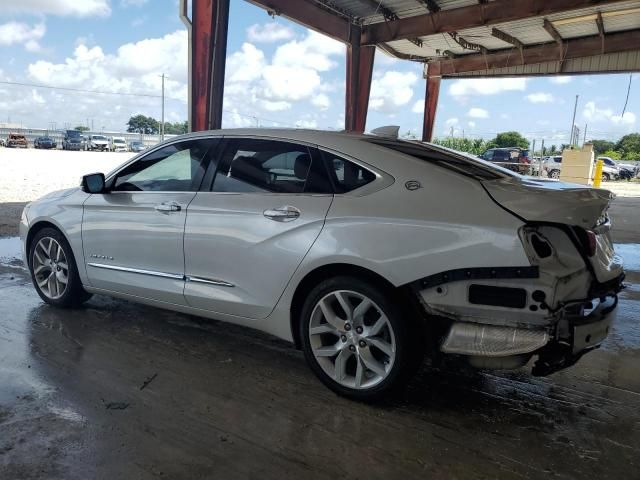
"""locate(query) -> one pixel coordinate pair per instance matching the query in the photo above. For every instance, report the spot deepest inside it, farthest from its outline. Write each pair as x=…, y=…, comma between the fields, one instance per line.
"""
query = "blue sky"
x=278, y=73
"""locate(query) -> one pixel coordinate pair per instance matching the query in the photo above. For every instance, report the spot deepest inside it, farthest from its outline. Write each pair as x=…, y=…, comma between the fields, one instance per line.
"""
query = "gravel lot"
x=29, y=174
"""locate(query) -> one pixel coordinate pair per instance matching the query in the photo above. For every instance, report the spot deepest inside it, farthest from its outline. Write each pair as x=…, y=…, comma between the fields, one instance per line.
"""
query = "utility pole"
x=584, y=139
x=162, y=117
x=573, y=120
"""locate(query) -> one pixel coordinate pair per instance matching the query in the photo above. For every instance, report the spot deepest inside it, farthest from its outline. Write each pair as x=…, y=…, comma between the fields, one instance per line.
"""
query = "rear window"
x=446, y=158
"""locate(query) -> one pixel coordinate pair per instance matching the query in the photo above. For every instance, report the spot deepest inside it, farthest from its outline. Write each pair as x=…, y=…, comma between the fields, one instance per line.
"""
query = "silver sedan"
x=365, y=251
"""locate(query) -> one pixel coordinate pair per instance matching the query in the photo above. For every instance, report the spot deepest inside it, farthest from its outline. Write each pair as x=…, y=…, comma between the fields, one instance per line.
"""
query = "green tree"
x=600, y=146
x=552, y=150
x=509, y=139
x=82, y=128
x=177, y=128
x=142, y=124
x=629, y=146
x=611, y=154
x=468, y=145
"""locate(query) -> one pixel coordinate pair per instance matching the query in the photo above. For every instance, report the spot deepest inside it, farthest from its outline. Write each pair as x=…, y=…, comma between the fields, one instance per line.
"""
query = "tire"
x=605, y=177
x=376, y=351
x=554, y=174
x=45, y=246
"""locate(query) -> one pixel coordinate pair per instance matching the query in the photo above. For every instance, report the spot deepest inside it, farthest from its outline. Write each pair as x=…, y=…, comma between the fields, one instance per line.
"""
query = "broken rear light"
x=591, y=243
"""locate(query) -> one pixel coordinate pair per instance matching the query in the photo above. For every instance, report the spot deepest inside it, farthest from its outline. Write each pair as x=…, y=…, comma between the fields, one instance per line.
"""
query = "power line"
x=624, y=109
x=70, y=89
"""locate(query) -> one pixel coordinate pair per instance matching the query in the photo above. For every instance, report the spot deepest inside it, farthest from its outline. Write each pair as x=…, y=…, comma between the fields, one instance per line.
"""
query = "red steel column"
x=209, y=50
x=359, y=72
x=431, y=101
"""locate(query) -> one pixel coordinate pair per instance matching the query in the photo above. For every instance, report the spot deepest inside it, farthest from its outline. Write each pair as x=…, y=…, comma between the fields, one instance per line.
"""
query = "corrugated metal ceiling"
x=529, y=31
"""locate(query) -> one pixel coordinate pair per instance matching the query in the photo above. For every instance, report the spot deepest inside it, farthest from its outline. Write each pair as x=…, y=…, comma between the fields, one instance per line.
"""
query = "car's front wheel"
x=54, y=271
x=554, y=174
x=356, y=339
x=605, y=177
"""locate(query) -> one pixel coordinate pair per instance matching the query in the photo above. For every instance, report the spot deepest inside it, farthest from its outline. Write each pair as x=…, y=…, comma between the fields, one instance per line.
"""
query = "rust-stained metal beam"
x=359, y=71
x=209, y=49
x=546, y=52
x=431, y=94
x=505, y=37
x=309, y=14
x=476, y=15
x=551, y=30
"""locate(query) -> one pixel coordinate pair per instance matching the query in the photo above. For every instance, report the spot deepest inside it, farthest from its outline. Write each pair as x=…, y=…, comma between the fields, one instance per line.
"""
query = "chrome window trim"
x=208, y=281
x=152, y=273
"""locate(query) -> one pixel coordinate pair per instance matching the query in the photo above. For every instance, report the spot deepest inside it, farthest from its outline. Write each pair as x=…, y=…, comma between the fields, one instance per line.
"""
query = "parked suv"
x=98, y=142
x=552, y=165
x=513, y=158
x=610, y=169
x=72, y=140
x=16, y=140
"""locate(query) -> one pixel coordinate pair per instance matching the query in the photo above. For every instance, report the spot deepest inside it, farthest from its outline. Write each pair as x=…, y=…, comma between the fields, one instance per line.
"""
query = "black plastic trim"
x=479, y=273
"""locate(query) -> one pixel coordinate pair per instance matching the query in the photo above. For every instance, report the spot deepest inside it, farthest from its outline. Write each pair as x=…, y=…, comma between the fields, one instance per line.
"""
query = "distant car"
x=16, y=140
x=45, y=142
x=72, y=140
x=118, y=144
x=552, y=165
x=137, y=146
x=610, y=169
x=97, y=142
x=3, y=143
x=512, y=158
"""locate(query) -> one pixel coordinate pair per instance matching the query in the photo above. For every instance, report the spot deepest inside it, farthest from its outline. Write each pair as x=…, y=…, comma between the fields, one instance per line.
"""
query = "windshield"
x=118, y=140
x=447, y=158
x=98, y=137
x=136, y=144
x=73, y=133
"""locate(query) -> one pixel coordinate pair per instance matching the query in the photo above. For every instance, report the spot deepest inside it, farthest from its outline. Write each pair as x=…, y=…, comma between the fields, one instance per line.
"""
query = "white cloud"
x=594, y=114
x=78, y=8
x=321, y=101
x=476, y=112
x=418, y=107
x=268, y=33
x=132, y=3
x=540, y=97
x=560, y=80
x=392, y=91
x=12, y=33
x=315, y=52
x=133, y=69
x=486, y=86
x=306, y=123
x=471, y=123
x=451, y=121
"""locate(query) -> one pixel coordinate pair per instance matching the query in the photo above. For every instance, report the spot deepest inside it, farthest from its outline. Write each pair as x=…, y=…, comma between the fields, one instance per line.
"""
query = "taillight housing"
x=587, y=240
x=592, y=244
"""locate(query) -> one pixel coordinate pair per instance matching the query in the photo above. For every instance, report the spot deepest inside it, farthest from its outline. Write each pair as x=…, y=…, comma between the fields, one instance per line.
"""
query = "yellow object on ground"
x=597, y=176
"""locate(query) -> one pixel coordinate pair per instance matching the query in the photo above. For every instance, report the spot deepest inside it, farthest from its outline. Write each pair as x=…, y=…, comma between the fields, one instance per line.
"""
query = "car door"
x=133, y=235
x=245, y=237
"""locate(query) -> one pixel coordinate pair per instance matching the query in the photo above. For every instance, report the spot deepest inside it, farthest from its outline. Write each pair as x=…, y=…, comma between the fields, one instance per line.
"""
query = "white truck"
x=118, y=144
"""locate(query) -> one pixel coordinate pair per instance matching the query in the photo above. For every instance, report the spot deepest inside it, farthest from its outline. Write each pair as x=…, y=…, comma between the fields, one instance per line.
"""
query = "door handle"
x=282, y=214
x=168, y=207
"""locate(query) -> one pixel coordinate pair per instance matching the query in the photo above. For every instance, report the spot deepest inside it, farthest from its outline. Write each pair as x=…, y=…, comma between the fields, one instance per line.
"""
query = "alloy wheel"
x=352, y=339
x=50, y=268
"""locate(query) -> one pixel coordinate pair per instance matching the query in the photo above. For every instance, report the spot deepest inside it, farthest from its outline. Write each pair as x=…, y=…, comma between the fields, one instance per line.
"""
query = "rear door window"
x=346, y=175
x=260, y=165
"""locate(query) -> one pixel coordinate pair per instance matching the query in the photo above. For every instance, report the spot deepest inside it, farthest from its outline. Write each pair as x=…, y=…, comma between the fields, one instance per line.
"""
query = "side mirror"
x=93, y=183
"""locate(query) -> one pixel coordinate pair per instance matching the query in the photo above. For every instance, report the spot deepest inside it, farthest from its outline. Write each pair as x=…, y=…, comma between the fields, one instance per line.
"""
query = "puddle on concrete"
x=10, y=250
x=630, y=253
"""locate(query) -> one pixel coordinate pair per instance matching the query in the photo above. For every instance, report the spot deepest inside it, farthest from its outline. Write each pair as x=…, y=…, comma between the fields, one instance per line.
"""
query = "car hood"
x=540, y=200
x=59, y=193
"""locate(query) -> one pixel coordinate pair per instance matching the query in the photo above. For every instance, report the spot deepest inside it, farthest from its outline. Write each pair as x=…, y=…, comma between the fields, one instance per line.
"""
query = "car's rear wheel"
x=605, y=177
x=54, y=271
x=356, y=340
x=554, y=174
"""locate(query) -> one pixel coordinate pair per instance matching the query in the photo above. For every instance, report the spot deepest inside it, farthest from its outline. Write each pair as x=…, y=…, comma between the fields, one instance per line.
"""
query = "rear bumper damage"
x=576, y=327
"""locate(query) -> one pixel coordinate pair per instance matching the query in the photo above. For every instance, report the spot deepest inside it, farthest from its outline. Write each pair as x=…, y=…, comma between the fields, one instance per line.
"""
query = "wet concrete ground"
x=116, y=390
